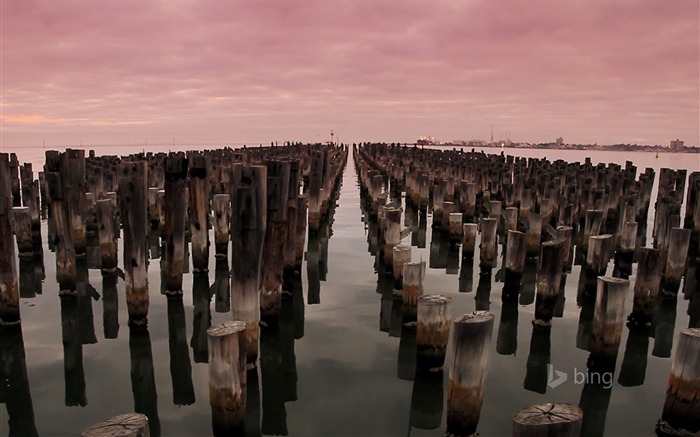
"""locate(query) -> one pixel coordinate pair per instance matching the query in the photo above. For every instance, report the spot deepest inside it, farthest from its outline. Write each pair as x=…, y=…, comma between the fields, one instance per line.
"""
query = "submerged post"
x=105, y=231
x=487, y=248
x=646, y=287
x=174, y=211
x=548, y=281
x=679, y=242
x=681, y=414
x=608, y=322
x=515, y=259
x=469, y=360
x=227, y=377
x=469, y=231
x=433, y=331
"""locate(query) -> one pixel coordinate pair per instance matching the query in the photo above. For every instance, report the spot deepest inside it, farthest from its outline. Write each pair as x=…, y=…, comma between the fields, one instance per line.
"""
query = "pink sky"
x=129, y=72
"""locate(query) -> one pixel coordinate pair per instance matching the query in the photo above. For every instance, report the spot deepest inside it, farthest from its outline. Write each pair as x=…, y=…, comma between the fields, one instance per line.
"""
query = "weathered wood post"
x=487, y=247
x=401, y=256
x=608, y=322
x=471, y=342
x=565, y=234
x=514, y=262
x=646, y=287
x=290, y=243
x=625, y=252
x=469, y=232
x=133, y=177
x=23, y=231
x=412, y=290
x=174, y=212
x=73, y=179
x=108, y=243
x=533, y=234
x=227, y=377
x=315, y=183
x=597, y=257
x=302, y=205
x=433, y=331
x=199, y=203
x=392, y=233
x=592, y=226
x=9, y=285
x=65, y=251
x=455, y=227
x=248, y=225
x=681, y=413
x=153, y=211
x=679, y=242
x=273, y=250
x=548, y=281
x=548, y=420
x=511, y=219
x=123, y=425
x=222, y=214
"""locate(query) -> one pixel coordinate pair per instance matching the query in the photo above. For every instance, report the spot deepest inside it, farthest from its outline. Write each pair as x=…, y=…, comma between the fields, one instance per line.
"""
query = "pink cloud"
x=248, y=71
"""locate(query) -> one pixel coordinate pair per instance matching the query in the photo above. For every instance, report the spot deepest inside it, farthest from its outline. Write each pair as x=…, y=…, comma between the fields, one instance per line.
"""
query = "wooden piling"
x=9, y=284
x=608, y=322
x=533, y=234
x=515, y=259
x=455, y=227
x=23, y=231
x=105, y=229
x=548, y=281
x=174, y=212
x=133, y=177
x=681, y=412
x=433, y=331
x=199, y=190
x=401, y=256
x=679, y=242
x=315, y=183
x=646, y=287
x=565, y=234
x=227, y=377
x=123, y=425
x=471, y=342
x=412, y=290
x=469, y=232
x=597, y=258
x=300, y=239
x=63, y=241
x=511, y=219
x=392, y=233
x=548, y=420
x=222, y=213
x=248, y=225
x=487, y=247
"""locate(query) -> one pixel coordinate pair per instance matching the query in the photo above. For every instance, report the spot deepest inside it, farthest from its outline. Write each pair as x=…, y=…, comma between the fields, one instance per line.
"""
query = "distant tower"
x=491, y=134
x=677, y=145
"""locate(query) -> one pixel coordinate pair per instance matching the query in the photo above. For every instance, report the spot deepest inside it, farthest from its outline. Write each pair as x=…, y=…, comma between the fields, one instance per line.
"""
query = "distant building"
x=677, y=145
x=560, y=141
x=425, y=141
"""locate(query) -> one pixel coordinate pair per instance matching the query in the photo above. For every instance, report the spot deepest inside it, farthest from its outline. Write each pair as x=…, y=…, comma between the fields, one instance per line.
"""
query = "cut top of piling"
x=547, y=415
x=226, y=328
x=124, y=425
x=434, y=299
x=475, y=317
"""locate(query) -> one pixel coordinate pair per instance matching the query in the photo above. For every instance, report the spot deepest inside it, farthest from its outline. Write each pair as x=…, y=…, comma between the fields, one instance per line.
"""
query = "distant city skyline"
x=113, y=72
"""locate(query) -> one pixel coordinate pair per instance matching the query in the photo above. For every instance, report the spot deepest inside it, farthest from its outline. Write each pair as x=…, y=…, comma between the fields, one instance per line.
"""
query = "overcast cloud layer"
x=118, y=72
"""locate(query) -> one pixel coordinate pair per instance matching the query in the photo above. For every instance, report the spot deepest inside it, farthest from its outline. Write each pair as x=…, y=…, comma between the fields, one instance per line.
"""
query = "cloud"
x=253, y=71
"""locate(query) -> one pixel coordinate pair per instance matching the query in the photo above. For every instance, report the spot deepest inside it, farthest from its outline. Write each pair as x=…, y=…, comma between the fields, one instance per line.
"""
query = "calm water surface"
x=340, y=363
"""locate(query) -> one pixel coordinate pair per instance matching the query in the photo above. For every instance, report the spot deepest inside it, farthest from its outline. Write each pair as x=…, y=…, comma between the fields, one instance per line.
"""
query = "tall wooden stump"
x=597, y=257
x=401, y=256
x=248, y=225
x=315, y=183
x=433, y=331
x=469, y=232
x=290, y=242
x=679, y=242
x=105, y=229
x=548, y=420
x=646, y=287
x=392, y=233
x=222, y=214
x=515, y=260
x=455, y=227
x=548, y=281
x=608, y=322
x=300, y=238
x=199, y=203
x=681, y=414
x=592, y=225
x=565, y=235
x=273, y=249
x=487, y=248
x=533, y=234
x=174, y=212
x=123, y=425
x=412, y=290
x=471, y=342
x=511, y=219
x=73, y=179
x=227, y=377
x=625, y=253
x=133, y=177
x=23, y=231
x=63, y=241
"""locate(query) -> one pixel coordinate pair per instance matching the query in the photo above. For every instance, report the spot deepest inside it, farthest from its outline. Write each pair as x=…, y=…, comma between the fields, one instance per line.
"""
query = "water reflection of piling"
x=180, y=366
x=72, y=353
x=427, y=400
x=483, y=293
x=664, y=321
x=538, y=360
x=143, y=383
x=274, y=414
x=222, y=286
x=507, y=339
x=14, y=390
x=634, y=361
x=406, y=368
x=201, y=299
x=594, y=402
x=110, y=307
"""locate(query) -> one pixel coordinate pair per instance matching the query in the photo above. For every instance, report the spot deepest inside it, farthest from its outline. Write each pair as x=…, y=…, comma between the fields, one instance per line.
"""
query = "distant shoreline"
x=614, y=148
